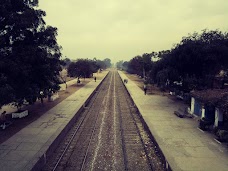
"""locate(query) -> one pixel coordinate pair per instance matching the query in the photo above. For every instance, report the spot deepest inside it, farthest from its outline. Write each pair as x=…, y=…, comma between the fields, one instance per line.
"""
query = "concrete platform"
x=27, y=149
x=184, y=146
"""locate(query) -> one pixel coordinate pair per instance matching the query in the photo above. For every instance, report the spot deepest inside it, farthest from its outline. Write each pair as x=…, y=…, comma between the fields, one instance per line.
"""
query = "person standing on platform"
x=95, y=78
x=145, y=89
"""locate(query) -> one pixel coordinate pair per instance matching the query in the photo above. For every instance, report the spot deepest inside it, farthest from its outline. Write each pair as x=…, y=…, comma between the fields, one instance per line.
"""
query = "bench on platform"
x=20, y=114
x=182, y=113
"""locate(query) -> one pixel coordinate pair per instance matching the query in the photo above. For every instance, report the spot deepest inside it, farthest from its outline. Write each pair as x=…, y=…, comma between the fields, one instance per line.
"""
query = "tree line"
x=193, y=62
x=85, y=67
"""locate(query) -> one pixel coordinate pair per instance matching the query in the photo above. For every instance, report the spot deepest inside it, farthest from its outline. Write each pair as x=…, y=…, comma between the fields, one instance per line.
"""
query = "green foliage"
x=65, y=62
x=140, y=65
x=119, y=65
x=206, y=53
x=82, y=68
x=107, y=62
x=125, y=65
x=162, y=77
x=29, y=53
x=122, y=65
x=146, y=62
x=86, y=67
x=102, y=64
x=194, y=61
x=135, y=66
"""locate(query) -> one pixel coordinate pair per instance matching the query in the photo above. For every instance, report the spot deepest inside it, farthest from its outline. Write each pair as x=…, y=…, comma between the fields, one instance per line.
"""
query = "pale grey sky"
x=122, y=29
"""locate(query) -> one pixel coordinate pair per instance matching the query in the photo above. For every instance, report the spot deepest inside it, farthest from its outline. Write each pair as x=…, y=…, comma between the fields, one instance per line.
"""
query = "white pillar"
x=203, y=112
x=192, y=105
x=218, y=117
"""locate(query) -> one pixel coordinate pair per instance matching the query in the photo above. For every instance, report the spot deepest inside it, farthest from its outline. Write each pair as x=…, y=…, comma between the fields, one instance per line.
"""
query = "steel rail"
x=90, y=140
x=137, y=128
x=74, y=133
x=92, y=134
x=122, y=138
x=87, y=150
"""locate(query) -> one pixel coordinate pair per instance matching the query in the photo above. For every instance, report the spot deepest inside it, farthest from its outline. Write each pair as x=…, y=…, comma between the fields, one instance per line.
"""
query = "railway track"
x=108, y=135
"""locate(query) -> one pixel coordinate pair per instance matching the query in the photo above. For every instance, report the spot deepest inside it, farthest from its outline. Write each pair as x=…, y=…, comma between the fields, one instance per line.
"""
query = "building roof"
x=216, y=97
x=210, y=95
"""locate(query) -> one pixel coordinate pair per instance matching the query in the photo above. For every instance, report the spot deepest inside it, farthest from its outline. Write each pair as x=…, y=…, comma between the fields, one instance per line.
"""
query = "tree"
x=98, y=64
x=63, y=73
x=119, y=65
x=102, y=64
x=135, y=66
x=82, y=68
x=29, y=53
x=107, y=62
x=147, y=63
x=140, y=65
x=63, y=76
x=125, y=65
x=65, y=62
x=200, y=57
x=162, y=68
x=195, y=60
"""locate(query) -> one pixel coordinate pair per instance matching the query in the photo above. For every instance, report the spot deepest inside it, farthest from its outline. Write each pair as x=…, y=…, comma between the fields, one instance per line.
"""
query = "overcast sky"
x=122, y=29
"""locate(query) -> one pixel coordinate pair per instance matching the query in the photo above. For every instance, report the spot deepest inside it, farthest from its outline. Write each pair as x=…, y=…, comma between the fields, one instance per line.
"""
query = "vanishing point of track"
x=108, y=135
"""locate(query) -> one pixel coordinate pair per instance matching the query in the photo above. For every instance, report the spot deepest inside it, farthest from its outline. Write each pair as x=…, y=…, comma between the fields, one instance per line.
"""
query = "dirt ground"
x=36, y=110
